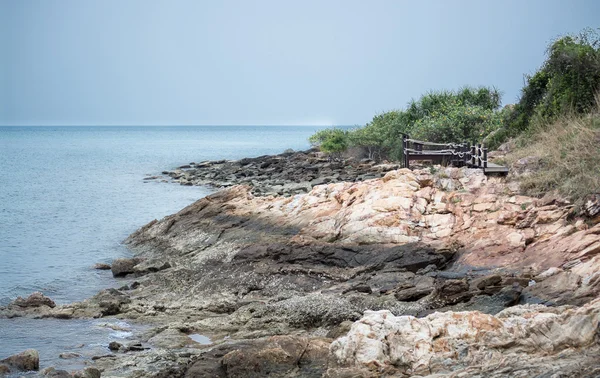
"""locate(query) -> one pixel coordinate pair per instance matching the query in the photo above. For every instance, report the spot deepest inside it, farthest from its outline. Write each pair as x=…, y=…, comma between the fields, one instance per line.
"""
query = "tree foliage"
x=441, y=116
x=567, y=82
x=332, y=141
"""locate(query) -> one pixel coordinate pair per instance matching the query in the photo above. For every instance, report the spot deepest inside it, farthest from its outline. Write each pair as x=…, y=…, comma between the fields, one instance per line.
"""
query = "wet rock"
x=52, y=372
x=69, y=355
x=110, y=301
x=36, y=299
x=4, y=369
x=114, y=346
x=102, y=266
x=25, y=361
x=134, y=346
x=123, y=266
x=88, y=372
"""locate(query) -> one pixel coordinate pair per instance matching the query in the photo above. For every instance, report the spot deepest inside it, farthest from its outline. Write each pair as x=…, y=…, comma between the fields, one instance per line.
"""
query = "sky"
x=263, y=62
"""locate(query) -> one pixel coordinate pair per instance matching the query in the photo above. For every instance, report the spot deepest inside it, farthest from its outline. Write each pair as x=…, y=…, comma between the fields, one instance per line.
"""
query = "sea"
x=70, y=195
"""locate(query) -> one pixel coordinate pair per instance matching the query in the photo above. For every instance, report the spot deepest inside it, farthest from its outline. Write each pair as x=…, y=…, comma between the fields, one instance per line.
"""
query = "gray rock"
x=25, y=361
x=124, y=266
x=36, y=299
x=102, y=266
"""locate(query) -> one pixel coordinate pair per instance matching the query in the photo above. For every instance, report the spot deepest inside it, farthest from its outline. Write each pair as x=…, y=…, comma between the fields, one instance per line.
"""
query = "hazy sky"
x=74, y=62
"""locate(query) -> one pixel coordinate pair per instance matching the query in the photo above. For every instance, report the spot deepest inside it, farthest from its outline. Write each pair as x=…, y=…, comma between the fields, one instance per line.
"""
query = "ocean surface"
x=69, y=196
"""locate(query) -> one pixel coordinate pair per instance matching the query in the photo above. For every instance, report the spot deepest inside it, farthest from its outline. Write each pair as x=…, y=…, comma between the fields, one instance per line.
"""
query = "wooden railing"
x=457, y=154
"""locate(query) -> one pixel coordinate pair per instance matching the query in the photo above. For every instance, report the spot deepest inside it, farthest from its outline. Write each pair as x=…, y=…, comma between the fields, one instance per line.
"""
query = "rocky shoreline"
x=285, y=174
x=377, y=271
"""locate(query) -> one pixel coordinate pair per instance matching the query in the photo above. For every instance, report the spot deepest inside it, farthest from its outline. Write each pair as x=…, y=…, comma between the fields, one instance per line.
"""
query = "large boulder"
x=25, y=361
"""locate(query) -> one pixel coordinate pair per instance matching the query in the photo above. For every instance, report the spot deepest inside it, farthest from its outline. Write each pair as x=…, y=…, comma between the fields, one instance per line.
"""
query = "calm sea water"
x=70, y=195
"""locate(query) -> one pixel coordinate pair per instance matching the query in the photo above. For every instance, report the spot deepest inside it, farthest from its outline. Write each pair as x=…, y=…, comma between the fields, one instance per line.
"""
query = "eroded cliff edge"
x=435, y=271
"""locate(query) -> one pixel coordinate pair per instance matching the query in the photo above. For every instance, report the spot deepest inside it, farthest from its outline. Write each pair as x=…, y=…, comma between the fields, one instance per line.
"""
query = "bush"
x=442, y=116
x=332, y=141
x=565, y=84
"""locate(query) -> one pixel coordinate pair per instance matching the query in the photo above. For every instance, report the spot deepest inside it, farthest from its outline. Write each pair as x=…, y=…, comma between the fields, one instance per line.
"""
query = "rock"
x=591, y=207
x=146, y=267
x=26, y=361
x=124, y=266
x=413, y=293
x=341, y=330
x=134, y=346
x=53, y=373
x=250, y=267
x=102, y=266
x=110, y=301
x=482, y=283
x=36, y=299
x=170, y=338
x=88, y=372
x=449, y=292
x=279, y=356
x=4, y=369
x=69, y=355
x=447, y=341
x=113, y=345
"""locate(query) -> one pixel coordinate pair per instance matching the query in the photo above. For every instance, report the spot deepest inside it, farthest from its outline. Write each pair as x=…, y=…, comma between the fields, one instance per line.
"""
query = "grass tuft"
x=569, y=157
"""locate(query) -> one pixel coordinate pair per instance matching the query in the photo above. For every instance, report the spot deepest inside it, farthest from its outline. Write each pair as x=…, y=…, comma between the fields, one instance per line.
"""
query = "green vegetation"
x=331, y=141
x=443, y=116
x=569, y=158
x=566, y=84
x=556, y=119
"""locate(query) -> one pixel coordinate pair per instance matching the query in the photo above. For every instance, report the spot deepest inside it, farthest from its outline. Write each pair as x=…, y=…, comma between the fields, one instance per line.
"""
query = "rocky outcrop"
x=516, y=342
x=36, y=299
x=411, y=243
x=25, y=361
x=271, y=279
x=284, y=174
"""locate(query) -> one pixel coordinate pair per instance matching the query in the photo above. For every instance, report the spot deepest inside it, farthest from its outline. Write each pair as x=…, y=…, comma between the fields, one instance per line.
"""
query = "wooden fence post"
x=479, y=155
x=404, y=151
x=485, y=151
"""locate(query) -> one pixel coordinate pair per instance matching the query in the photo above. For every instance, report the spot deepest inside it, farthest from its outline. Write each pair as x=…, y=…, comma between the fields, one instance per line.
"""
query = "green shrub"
x=440, y=116
x=332, y=141
x=565, y=84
